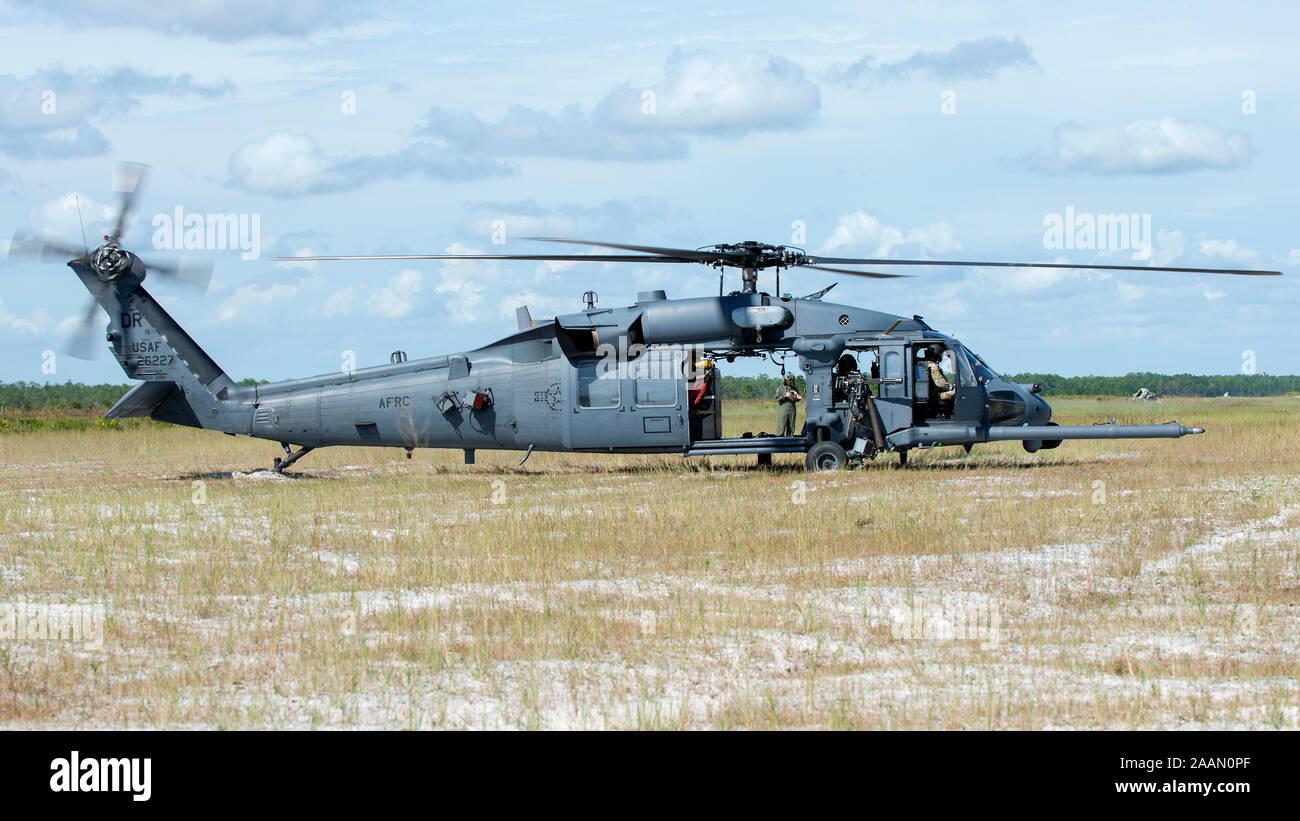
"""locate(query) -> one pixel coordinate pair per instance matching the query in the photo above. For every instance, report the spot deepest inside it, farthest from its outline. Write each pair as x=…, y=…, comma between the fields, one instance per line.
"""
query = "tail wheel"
x=826, y=456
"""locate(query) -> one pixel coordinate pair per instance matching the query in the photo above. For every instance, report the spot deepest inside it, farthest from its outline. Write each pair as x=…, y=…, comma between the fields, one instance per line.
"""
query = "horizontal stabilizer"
x=141, y=401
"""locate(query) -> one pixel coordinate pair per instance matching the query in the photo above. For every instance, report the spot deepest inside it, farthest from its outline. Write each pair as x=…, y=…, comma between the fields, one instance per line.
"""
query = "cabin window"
x=598, y=384
x=656, y=373
x=893, y=365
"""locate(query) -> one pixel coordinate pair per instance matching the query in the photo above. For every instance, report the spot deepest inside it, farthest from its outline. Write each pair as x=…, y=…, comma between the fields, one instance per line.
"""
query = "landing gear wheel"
x=765, y=460
x=902, y=458
x=826, y=456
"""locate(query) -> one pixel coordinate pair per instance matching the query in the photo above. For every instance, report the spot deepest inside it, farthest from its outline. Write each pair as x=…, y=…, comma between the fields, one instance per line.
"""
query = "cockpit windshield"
x=981, y=368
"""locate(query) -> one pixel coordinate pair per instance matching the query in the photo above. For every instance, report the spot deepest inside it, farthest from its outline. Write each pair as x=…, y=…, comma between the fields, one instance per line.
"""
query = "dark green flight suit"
x=787, y=406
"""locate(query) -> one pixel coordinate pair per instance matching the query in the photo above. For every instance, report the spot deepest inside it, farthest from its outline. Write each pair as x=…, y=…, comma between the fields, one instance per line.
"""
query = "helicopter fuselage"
x=637, y=379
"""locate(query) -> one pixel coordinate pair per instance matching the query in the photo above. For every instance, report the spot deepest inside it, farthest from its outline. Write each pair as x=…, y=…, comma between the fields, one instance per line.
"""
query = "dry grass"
x=1135, y=584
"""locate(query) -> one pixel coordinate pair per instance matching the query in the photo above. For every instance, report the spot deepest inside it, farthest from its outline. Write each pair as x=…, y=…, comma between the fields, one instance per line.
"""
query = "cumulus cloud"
x=971, y=60
x=613, y=218
x=292, y=164
x=527, y=132
x=700, y=94
x=254, y=297
x=1163, y=146
x=48, y=114
x=35, y=323
x=225, y=21
x=458, y=292
x=395, y=300
x=1229, y=251
x=865, y=235
x=62, y=218
x=719, y=95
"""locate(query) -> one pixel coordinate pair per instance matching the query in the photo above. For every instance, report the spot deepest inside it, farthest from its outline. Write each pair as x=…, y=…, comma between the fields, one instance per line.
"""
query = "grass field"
x=1129, y=584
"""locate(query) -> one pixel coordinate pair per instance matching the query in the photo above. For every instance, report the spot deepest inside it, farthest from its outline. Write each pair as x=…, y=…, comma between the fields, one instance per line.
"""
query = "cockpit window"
x=981, y=368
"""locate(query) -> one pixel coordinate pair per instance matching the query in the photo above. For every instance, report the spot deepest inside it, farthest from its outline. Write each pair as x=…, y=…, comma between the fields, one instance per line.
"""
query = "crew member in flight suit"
x=942, y=385
x=787, y=403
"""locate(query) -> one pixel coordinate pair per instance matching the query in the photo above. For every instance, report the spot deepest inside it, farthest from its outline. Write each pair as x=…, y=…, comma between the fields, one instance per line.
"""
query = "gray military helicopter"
x=642, y=378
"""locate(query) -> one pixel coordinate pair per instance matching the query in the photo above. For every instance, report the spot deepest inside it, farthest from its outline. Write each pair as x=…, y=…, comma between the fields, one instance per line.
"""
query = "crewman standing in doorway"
x=787, y=402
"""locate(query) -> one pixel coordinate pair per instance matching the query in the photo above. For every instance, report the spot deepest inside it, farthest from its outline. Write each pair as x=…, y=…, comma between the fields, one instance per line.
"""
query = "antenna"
x=85, y=245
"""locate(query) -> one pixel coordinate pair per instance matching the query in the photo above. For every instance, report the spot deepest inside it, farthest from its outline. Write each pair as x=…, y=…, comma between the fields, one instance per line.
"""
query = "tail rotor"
x=109, y=261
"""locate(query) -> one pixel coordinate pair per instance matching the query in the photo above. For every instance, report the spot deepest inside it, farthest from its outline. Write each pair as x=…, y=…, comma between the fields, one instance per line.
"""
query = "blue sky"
x=930, y=130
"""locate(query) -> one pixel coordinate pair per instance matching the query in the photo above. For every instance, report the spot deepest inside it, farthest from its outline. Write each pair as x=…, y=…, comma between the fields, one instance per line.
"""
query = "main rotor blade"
x=871, y=274
x=26, y=246
x=968, y=264
x=523, y=257
x=696, y=256
x=127, y=183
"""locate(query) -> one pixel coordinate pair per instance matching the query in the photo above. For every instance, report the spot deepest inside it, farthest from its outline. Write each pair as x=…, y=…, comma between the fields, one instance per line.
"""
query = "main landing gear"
x=826, y=455
x=278, y=465
x=829, y=455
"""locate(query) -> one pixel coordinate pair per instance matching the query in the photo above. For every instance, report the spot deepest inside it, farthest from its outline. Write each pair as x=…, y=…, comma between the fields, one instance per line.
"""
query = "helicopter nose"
x=1039, y=411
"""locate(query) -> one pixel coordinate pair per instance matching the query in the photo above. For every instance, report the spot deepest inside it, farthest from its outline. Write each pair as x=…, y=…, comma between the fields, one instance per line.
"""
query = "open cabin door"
x=894, y=401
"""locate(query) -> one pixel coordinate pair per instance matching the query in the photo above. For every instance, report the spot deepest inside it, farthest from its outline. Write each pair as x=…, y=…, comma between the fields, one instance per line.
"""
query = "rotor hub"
x=109, y=260
x=755, y=256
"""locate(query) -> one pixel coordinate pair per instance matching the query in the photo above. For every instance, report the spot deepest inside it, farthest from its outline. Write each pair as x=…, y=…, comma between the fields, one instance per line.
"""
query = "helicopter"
x=642, y=378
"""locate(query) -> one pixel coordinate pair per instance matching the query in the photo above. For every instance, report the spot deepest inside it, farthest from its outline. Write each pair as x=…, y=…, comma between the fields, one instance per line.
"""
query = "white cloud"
x=700, y=94
x=284, y=163
x=61, y=219
x=716, y=94
x=980, y=59
x=398, y=297
x=340, y=303
x=1023, y=281
x=35, y=323
x=1169, y=246
x=292, y=164
x=305, y=265
x=250, y=298
x=47, y=114
x=866, y=235
x=1163, y=146
x=539, y=305
x=610, y=218
x=1130, y=293
x=460, y=288
x=402, y=296
x=1228, y=249
x=224, y=21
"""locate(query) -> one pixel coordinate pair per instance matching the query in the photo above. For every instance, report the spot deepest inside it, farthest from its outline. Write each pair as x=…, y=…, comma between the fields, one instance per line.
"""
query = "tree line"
x=1178, y=384
x=70, y=395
